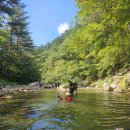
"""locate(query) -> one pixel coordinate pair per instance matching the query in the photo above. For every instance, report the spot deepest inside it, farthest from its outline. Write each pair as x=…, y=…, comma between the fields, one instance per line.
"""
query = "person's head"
x=67, y=94
x=69, y=81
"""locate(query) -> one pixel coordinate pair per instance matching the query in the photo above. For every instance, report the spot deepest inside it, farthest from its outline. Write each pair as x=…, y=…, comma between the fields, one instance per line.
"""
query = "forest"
x=16, y=46
x=97, y=45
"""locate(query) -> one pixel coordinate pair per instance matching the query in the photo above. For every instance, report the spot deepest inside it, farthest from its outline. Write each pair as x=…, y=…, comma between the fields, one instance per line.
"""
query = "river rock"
x=114, y=85
x=107, y=87
x=119, y=129
x=34, y=84
x=119, y=90
x=128, y=89
x=25, y=90
x=11, y=91
x=2, y=93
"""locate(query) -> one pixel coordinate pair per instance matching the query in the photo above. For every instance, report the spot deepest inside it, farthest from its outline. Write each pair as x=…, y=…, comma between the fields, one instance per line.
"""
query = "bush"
x=5, y=82
x=124, y=83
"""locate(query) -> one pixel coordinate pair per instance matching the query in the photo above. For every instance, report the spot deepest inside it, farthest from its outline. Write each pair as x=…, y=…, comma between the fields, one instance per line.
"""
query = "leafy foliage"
x=97, y=46
x=16, y=55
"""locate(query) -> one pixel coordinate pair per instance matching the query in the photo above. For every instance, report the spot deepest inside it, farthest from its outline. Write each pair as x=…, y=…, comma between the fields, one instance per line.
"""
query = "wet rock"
x=34, y=84
x=114, y=85
x=107, y=87
x=11, y=91
x=119, y=129
x=25, y=90
x=124, y=90
x=37, y=85
x=119, y=90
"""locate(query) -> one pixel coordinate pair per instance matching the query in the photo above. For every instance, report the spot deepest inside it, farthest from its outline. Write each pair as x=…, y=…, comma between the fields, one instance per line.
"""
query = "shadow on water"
x=92, y=110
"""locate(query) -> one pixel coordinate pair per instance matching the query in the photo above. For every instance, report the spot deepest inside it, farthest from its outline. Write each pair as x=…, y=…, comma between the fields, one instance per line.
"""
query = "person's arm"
x=59, y=97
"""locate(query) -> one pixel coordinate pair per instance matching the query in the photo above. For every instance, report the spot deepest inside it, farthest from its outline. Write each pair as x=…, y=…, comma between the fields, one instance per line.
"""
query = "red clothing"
x=67, y=99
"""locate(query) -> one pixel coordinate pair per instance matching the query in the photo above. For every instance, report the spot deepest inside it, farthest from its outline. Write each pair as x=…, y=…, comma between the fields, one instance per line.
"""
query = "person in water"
x=68, y=98
x=73, y=86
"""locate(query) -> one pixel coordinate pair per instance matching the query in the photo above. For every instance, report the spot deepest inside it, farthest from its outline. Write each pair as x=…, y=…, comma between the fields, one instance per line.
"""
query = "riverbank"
x=18, y=89
x=119, y=82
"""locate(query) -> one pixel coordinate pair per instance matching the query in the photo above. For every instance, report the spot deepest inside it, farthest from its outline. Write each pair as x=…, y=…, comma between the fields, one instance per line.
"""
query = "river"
x=92, y=110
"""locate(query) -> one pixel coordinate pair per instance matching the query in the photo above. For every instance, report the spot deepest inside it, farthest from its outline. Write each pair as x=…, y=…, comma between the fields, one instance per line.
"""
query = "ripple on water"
x=41, y=124
x=91, y=111
x=34, y=114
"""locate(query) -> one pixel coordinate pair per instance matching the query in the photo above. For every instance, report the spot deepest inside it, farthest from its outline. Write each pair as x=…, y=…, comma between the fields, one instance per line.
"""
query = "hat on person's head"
x=67, y=94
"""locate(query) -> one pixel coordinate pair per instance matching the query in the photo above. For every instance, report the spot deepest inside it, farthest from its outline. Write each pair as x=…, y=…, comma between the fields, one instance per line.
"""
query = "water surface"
x=92, y=110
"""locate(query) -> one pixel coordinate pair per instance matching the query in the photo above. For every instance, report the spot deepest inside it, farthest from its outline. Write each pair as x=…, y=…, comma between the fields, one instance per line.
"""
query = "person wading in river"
x=73, y=86
x=68, y=98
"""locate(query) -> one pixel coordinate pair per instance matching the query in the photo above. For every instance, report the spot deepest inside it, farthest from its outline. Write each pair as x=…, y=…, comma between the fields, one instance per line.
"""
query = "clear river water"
x=92, y=110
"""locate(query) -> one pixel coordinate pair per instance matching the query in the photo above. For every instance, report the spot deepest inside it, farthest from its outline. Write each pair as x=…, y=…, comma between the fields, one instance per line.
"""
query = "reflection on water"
x=92, y=110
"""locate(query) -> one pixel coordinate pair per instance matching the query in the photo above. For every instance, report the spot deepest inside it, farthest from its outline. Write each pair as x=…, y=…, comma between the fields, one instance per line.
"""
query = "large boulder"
x=114, y=85
x=119, y=129
x=118, y=90
x=107, y=87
